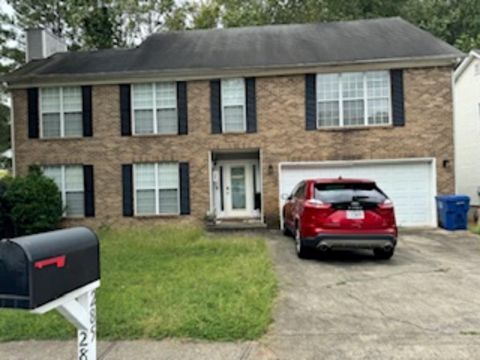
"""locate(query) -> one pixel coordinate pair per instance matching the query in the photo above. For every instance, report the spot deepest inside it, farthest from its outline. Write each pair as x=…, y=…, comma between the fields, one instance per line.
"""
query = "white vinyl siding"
x=155, y=108
x=156, y=189
x=353, y=99
x=477, y=69
x=233, y=105
x=69, y=180
x=61, y=112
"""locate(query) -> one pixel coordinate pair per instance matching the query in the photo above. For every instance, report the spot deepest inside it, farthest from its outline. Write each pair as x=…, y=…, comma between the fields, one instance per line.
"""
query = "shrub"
x=5, y=227
x=32, y=204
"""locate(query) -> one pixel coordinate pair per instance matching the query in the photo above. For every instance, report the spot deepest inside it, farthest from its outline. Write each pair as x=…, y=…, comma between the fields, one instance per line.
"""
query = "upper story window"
x=233, y=105
x=156, y=189
x=70, y=181
x=155, y=108
x=61, y=112
x=353, y=99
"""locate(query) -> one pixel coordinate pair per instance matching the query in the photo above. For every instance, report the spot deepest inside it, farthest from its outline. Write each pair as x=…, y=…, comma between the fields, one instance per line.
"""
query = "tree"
x=142, y=18
x=205, y=15
x=84, y=24
x=11, y=55
x=101, y=29
x=4, y=127
x=454, y=21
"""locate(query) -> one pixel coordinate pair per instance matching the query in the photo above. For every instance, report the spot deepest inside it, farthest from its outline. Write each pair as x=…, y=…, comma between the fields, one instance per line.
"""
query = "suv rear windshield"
x=346, y=193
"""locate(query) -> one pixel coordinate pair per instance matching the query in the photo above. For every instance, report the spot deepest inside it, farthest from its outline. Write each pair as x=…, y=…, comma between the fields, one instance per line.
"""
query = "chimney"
x=42, y=43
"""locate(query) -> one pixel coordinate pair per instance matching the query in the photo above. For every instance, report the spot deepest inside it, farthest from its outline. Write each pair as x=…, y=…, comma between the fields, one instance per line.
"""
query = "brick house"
x=226, y=121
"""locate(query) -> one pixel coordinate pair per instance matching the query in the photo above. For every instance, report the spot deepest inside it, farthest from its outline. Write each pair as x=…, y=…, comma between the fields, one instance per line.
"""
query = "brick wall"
x=281, y=120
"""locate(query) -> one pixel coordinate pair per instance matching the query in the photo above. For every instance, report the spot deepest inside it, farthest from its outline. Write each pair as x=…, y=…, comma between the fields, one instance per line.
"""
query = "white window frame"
x=154, y=108
x=156, y=190
x=244, y=105
x=63, y=189
x=62, y=114
x=341, y=99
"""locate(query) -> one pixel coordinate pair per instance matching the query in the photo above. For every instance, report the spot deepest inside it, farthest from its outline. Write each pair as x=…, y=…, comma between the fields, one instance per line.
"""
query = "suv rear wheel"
x=302, y=251
x=383, y=254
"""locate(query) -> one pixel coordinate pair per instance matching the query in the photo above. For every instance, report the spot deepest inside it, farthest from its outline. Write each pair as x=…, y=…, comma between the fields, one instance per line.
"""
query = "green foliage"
x=4, y=127
x=31, y=204
x=455, y=21
x=101, y=28
x=206, y=15
x=170, y=282
x=4, y=220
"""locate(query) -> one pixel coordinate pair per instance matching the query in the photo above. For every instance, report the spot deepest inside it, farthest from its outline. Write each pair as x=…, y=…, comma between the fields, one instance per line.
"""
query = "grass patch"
x=470, y=333
x=170, y=282
x=3, y=173
x=474, y=228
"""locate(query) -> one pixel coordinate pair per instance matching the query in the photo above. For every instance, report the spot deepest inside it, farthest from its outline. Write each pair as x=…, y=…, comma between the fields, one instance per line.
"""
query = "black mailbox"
x=37, y=269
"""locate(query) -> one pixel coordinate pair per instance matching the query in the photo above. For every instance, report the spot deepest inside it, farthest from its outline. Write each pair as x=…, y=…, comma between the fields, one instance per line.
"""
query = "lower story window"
x=156, y=188
x=69, y=179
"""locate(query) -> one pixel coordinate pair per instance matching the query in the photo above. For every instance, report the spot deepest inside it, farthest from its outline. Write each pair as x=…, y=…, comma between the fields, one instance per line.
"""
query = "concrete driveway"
x=424, y=303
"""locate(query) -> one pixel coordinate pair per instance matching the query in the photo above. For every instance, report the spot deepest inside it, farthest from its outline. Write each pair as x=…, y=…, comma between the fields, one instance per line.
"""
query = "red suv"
x=340, y=213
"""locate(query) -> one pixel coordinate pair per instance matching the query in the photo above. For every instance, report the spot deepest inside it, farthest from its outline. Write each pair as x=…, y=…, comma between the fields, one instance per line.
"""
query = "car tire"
x=286, y=231
x=301, y=250
x=383, y=254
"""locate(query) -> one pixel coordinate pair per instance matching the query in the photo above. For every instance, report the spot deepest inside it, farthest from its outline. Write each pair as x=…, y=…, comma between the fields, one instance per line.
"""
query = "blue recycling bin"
x=453, y=211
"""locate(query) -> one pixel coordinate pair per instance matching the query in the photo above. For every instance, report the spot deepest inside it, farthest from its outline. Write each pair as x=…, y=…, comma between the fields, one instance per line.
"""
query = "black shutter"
x=87, y=111
x=215, y=106
x=251, y=105
x=127, y=183
x=89, y=188
x=33, y=115
x=182, y=108
x=125, y=110
x=184, y=188
x=310, y=102
x=398, y=107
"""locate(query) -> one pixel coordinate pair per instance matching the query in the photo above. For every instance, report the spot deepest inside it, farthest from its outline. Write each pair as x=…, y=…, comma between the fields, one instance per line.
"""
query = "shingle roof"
x=250, y=47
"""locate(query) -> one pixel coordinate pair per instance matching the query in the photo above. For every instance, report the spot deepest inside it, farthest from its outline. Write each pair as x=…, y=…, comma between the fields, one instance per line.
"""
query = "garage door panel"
x=409, y=184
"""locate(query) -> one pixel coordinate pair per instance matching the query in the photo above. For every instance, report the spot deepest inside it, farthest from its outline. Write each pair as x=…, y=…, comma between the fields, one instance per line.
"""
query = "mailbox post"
x=56, y=270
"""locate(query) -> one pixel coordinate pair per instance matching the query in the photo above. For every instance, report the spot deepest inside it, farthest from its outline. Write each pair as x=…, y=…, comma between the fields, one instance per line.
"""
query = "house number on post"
x=87, y=338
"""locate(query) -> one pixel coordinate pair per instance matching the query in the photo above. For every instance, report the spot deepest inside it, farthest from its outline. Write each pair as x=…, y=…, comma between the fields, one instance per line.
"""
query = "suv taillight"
x=315, y=203
x=387, y=204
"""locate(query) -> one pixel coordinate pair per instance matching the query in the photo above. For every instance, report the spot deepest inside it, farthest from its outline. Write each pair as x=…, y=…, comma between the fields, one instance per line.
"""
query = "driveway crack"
x=387, y=317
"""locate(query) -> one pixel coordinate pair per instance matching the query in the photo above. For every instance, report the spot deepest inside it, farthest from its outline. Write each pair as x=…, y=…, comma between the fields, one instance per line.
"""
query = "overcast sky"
x=5, y=8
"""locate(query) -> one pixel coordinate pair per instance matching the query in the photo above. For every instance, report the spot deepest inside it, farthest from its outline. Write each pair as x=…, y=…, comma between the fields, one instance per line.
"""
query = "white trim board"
x=209, y=73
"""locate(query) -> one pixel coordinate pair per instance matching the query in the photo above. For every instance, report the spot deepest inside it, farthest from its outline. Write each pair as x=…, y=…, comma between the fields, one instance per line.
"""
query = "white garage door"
x=409, y=183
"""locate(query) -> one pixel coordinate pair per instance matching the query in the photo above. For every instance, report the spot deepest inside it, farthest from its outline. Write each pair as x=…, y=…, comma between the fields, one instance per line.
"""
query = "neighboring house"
x=467, y=127
x=227, y=121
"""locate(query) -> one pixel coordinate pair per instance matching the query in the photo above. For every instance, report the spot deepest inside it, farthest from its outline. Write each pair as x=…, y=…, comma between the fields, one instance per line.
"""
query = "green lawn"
x=170, y=282
x=474, y=228
x=3, y=173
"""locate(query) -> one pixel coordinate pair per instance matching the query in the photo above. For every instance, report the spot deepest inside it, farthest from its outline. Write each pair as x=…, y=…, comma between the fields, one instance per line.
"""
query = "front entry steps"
x=236, y=224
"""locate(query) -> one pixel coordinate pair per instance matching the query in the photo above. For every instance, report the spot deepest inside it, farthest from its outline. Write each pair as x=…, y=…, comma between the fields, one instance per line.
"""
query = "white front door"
x=236, y=189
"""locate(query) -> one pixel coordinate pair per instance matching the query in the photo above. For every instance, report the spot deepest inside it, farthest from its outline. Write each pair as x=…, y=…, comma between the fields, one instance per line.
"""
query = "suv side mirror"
x=286, y=196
